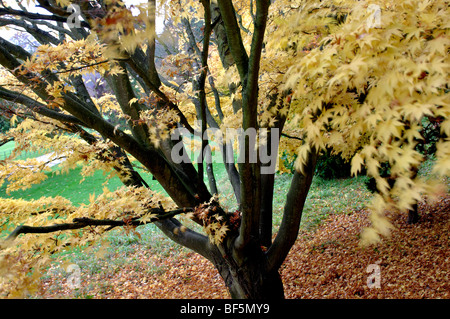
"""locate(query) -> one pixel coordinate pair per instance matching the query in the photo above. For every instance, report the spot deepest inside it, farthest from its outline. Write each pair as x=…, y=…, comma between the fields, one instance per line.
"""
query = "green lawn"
x=69, y=185
x=7, y=148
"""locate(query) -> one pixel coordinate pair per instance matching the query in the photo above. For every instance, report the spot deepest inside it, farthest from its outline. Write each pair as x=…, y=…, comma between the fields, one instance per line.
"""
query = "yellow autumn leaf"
x=356, y=164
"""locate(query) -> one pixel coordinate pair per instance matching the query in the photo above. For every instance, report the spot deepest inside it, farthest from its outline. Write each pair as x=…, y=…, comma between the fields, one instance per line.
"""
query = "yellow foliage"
x=348, y=76
x=364, y=86
x=30, y=252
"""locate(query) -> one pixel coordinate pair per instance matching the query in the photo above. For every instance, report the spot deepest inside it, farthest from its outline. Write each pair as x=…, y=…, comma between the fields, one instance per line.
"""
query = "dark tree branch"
x=53, y=9
x=220, y=36
x=191, y=36
x=82, y=67
x=6, y=140
x=241, y=25
x=234, y=37
x=251, y=172
x=82, y=222
x=292, y=215
x=202, y=79
x=216, y=97
x=15, y=50
x=58, y=27
x=37, y=107
x=252, y=12
x=153, y=73
x=292, y=137
x=189, y=238
x=142, y=72
x=38, y=16
x=268, y=180
x=123, y=90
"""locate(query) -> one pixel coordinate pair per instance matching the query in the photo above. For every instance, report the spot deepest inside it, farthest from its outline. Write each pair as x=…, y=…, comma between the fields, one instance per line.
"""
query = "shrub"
x=331, y=166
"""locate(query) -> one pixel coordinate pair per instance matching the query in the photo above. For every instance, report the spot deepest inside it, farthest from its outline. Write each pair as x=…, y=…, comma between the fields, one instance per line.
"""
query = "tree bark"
x=253, y=283
x=250, y=280
x=413, y=215
x=292, y=214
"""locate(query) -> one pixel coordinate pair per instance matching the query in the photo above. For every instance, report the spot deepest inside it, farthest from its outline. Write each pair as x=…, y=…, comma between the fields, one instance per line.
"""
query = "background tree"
x=330, y=75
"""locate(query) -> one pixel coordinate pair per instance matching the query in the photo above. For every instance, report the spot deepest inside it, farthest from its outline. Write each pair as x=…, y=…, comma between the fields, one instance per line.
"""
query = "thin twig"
x=293, y=137
x=81, y=67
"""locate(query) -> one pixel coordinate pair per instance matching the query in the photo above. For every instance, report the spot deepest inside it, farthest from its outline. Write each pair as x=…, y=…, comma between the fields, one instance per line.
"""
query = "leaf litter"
x=326, y=262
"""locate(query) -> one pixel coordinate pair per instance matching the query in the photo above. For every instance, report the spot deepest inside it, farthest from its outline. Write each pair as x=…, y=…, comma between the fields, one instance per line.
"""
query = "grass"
x=7, y=148
x=324, y=198
x=71, y=186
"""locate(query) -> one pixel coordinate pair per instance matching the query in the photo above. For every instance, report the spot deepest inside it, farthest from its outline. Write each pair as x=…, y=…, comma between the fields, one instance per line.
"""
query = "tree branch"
x=153, y=73
x=189, y=238
x=38, y=16
x=292, y=137
x=251, y=172
x=55, y=10
x=216, y=97
x=234, y=37
x=221, y=36
x=123, y=90
x=37, y=107
x=15, y=50
x=82, y=222
x=290, y=224
x=191, y=36
x=142, y=71
x=6, y=140
x=202, y=79
x=82, y=67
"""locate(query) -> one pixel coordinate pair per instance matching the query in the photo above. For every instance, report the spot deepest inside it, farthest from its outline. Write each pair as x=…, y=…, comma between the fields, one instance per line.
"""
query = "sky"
x=30, y=5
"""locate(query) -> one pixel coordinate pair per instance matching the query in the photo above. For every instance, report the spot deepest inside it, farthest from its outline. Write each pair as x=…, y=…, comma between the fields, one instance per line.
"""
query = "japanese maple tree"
x=342, y=75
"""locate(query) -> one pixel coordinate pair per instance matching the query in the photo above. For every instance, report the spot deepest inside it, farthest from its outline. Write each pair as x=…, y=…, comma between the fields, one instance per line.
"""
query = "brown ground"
x=328, y=263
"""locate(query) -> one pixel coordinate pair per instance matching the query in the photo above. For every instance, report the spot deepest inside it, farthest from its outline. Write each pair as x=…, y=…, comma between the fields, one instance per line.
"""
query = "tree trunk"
x=250, y=281
x=413, y=215
x=266, y=286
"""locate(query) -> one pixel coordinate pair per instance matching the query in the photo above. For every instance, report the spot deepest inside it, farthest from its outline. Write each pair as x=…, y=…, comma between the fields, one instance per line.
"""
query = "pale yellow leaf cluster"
x=33, y=250
x=107, y=104
x=214, y=225
x=179, y=9
x=82, y=56
x=160, y=123
x=124, y=28
x=366, y=85
x=19, y=277
x=68, y=150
